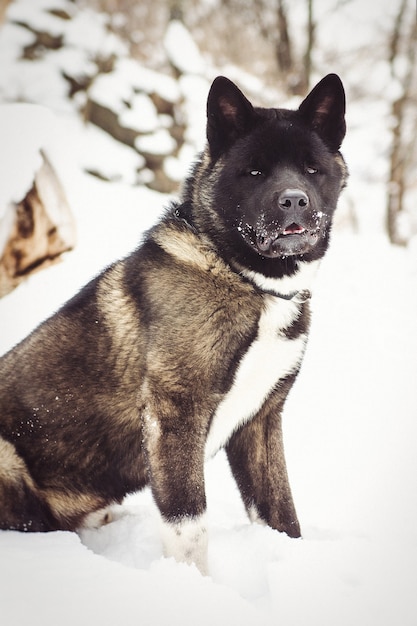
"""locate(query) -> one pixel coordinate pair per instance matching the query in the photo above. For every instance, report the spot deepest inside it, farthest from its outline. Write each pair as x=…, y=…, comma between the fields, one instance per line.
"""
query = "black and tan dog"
x=188, y=345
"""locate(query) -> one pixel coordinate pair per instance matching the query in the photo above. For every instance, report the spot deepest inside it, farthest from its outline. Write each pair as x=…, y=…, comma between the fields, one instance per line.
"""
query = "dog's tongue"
x=293, y=229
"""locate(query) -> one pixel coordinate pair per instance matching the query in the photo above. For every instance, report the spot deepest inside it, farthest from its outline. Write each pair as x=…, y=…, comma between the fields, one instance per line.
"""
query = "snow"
x=143, y=79
x=195, y=90
x=349, y=423
x=15, y=187
x=23, y=128
x=87, y=31
x=160, y=142
x=39, y=16
x=114, y=160
x=13, y=39
x=175, y=167
x=182, y=50
x=142, y=116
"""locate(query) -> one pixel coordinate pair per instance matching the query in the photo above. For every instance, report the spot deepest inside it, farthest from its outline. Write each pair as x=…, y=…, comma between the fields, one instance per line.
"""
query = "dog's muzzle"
x=295, y=228
x=293, y=239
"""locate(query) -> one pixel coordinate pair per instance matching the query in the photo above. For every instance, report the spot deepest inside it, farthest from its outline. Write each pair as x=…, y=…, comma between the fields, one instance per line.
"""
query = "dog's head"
x=273, y=176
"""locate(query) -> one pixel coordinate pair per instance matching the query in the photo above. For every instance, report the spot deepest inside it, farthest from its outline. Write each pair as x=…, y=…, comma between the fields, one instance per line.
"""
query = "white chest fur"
x=269, y=358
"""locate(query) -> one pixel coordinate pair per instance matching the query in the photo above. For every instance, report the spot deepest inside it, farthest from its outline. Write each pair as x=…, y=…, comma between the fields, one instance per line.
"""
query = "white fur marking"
x=299, y=281
x=186, y=541
x=269, y=358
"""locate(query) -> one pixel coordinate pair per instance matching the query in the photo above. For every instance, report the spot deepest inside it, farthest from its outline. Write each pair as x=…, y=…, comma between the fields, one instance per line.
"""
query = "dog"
x=189, y=345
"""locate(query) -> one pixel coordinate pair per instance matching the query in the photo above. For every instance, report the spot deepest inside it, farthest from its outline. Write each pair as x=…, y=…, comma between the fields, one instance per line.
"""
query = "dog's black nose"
x=293, y=199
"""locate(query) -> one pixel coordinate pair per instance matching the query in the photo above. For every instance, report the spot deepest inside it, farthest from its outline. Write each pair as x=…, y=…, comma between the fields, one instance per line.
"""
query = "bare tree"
x=403, y=154
x=311, y=32
x=283, y=44
x=293, y=65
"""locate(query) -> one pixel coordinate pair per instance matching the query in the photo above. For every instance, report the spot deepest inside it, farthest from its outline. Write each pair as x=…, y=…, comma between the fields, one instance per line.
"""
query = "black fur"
x=283, y=146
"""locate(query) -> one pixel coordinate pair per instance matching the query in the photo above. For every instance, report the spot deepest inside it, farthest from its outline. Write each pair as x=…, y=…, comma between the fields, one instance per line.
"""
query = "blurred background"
x=139, y=70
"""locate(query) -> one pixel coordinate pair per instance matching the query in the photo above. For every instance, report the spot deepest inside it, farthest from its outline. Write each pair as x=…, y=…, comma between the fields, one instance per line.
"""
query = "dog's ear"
x=324, y=111
x=229, y=115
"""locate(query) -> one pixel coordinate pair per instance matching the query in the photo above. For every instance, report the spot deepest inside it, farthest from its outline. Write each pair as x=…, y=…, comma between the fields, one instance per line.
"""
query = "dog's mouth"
x=268, y=241
x=292, y=240
x=293, y=229
x=272, y=241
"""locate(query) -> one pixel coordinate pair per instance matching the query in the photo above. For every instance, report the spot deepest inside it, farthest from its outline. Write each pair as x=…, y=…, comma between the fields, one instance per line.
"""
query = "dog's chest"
x=269, y=358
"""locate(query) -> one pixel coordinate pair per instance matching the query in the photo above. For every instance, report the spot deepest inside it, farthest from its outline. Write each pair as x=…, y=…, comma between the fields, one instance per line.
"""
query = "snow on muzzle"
x=293, y=238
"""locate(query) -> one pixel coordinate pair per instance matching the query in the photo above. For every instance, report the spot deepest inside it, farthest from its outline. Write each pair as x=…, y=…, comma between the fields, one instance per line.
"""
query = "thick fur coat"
x=188, y=345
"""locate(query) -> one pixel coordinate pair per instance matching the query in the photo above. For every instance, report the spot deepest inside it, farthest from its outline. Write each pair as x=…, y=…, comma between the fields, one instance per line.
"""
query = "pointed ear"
x=229, y=115
x=324, y=111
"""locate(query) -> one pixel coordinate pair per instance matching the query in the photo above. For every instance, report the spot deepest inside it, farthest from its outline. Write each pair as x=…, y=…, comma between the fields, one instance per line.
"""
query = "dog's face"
x=277, y=173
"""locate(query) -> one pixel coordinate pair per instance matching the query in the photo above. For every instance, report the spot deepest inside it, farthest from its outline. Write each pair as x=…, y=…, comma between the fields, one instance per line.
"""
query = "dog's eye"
x=311, y=170
x=255, y=173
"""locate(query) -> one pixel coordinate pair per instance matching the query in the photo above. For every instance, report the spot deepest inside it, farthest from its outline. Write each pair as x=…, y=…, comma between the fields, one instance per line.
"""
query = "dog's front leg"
x=256, y=457
x=176, y=464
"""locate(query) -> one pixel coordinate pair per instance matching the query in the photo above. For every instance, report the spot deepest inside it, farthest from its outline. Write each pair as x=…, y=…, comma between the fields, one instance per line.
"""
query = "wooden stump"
x=42, y=229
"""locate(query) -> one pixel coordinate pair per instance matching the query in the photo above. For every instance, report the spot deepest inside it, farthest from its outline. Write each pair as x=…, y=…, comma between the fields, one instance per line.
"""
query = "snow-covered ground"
x=350, y=433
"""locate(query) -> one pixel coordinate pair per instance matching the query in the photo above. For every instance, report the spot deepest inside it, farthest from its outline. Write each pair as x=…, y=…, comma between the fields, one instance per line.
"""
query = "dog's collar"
x=295, y=296
x=299, y=297
x=267, y=287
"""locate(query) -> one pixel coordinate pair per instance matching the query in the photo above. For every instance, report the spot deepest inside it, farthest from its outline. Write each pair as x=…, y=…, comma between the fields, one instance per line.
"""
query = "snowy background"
x=350, y=422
